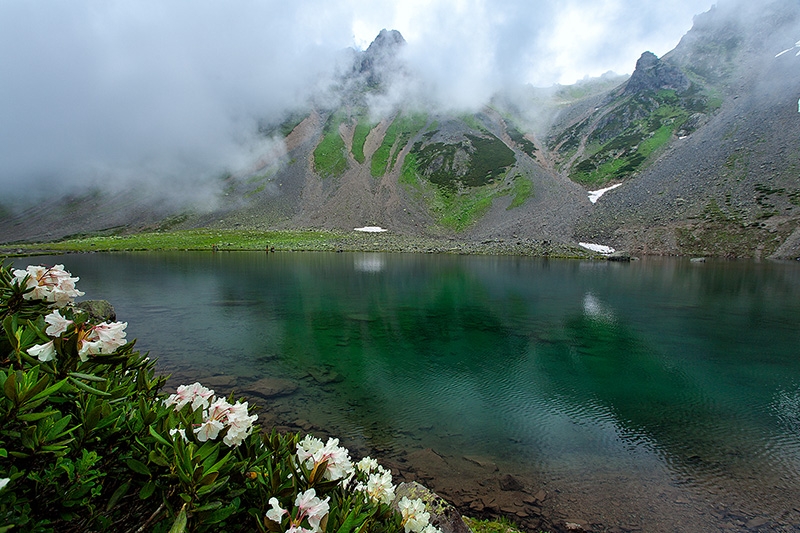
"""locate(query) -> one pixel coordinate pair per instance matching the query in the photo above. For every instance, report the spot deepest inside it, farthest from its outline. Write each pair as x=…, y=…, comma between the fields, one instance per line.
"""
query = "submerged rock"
x=270, y=387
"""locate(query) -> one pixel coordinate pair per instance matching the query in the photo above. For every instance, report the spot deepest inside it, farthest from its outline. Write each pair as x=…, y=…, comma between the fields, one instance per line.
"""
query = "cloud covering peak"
x=126, y=93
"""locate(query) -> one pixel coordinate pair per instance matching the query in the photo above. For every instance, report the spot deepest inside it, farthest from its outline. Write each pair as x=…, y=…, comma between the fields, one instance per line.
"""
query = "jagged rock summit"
x=380, y=57
x=652, y=74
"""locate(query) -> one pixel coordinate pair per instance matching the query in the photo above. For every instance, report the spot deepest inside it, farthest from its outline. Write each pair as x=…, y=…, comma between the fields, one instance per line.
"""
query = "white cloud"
x=104, y=90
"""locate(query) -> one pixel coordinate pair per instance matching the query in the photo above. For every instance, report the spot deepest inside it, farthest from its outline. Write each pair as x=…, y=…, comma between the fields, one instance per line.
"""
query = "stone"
x=482, y=462
x=98, y=310
x=756, y=522
x=270, y=387
x=577, y=525
x=444, y=516
x=510, y=483
x=325, y=376
x=652, y=74
x=427, y=460
x=225, y=381
x=620, y=255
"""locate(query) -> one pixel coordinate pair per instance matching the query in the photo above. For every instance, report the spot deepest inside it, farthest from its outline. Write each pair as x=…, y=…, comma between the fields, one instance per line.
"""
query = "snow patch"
x=370, y=229
x=595, y=195
x=796, y=45
x=599, y=248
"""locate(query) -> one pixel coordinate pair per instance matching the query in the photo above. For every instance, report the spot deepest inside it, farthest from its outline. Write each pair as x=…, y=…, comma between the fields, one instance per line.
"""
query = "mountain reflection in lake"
x=660, y=394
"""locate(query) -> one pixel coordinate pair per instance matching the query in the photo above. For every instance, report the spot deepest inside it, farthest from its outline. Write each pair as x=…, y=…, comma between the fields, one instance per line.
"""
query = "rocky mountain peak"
x=380, y=58
x=652, y=74
x=387, y=40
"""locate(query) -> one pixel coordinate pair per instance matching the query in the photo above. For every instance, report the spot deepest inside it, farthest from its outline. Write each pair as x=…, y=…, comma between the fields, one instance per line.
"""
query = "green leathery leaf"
x=147, y=490
x=138, y=467
x=179, y=526
x=118, y=494
x=83, y=386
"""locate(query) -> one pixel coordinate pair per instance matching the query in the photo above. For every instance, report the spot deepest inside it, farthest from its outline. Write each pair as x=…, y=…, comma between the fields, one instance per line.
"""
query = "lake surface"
x=662, y=394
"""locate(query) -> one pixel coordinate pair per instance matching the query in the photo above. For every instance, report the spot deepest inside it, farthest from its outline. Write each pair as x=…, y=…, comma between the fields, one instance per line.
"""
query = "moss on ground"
x=330, y=159
x=195, y=239
x=363, y=128
x=521, y=190
x=400, y=131
x=502, y=525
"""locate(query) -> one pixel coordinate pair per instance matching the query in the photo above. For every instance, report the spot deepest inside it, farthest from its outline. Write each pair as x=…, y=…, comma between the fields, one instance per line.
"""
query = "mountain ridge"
x=702, y=143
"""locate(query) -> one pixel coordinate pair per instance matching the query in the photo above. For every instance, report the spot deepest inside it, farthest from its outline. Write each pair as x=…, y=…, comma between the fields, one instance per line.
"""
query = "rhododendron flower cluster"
x=379, y=486
x=102, y=338
x=53, y=284
x=195, y=394
x=218, y=414
x=415, y=517
x=310, y=508
x=311, y=453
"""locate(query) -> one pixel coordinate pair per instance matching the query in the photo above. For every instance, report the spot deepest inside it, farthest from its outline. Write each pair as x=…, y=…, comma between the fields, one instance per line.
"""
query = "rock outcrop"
x=443, y=515
x=652, y=74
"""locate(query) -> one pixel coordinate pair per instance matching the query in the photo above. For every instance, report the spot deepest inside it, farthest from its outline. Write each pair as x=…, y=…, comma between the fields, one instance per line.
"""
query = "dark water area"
x=660, y=395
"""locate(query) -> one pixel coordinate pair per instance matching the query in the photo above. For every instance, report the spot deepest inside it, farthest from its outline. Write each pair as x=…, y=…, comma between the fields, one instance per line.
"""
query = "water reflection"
x=369, y=262
x=655, y=368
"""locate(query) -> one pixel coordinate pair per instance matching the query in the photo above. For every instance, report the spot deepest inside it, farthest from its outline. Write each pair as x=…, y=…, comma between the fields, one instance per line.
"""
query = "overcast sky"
x=162, y=90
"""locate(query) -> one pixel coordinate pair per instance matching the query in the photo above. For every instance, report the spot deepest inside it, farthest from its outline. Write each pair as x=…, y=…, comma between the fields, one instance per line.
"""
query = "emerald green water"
x=659, y=381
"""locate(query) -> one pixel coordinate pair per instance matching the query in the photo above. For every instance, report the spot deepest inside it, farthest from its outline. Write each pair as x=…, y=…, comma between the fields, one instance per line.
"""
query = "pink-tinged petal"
x=44, y=352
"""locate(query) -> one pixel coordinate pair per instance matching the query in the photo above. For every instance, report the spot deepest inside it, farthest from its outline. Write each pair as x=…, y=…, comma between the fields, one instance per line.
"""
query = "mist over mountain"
x=702, y=143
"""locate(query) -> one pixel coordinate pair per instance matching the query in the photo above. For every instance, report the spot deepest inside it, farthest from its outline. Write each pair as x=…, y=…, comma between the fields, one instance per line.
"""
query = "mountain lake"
x=656, y=395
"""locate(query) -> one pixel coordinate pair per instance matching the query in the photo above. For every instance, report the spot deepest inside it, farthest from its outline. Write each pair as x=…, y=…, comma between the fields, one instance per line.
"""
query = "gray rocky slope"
x=704, y=144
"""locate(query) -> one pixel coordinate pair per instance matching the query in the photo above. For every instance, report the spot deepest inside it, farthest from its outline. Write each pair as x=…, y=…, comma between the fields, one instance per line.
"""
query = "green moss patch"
x=363, y=127
x=521, y=190
x=400, y=131
x=195, y=239
x=330, y=159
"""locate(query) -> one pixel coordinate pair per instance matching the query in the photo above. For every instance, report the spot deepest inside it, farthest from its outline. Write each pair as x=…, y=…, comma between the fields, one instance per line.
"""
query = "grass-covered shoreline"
x=294, y=240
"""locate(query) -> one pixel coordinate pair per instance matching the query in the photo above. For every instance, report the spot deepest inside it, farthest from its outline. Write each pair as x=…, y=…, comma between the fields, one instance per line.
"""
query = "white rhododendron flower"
x=415, y=517
x=57, y=324
x=111, y=334
x=3, y=482
x=307, y=448
x=52, y=284
x=311, y=508
x=176, y=431
x=311, y=452
x=101, y=339
x=380, y=488
x=195, y=394
x=209, y=429
x=44, y=352
x=299, y=529
x=276, y=513
x=240, y=424
x=367, y=465
x=218, y=414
